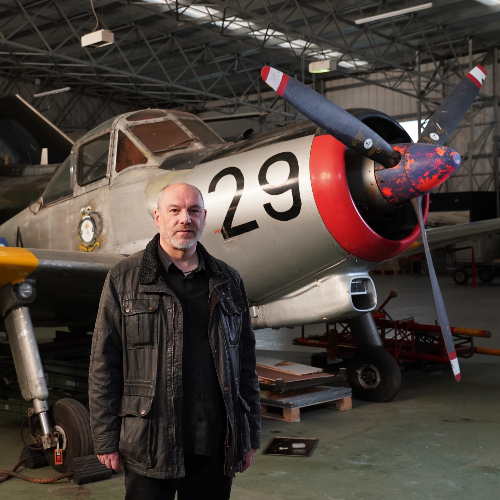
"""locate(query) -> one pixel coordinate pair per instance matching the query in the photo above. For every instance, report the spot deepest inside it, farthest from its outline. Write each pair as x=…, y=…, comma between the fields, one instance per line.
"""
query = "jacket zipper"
x=220, y=385
x=173, y=358
x=227, y=443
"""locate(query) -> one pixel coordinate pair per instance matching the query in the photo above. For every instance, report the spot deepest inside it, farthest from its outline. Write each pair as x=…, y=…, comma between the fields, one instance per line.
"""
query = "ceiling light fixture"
x=324, y=66
x=50, y=92
x=97, y=38
x=394, y=13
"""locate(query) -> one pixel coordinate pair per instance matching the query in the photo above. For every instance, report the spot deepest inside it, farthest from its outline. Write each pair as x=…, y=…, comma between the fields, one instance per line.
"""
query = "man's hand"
x=248, y=460
x=113, y=460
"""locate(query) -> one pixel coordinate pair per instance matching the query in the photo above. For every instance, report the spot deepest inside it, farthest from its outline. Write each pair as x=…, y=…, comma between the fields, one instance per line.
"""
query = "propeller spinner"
x=406, y=171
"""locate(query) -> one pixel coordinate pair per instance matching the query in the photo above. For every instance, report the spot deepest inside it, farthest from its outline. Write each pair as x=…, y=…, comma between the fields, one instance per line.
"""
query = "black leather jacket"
x=135, y=380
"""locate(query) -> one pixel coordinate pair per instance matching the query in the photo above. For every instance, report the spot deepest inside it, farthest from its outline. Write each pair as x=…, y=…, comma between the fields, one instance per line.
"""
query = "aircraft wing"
x=68, y=284
x=14, y=107
x=20, y=185
x=447, y=235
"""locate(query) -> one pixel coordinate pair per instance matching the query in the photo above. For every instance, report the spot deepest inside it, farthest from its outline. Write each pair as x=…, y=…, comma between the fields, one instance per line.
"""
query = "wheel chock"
x=89, y=470
x=35, y=458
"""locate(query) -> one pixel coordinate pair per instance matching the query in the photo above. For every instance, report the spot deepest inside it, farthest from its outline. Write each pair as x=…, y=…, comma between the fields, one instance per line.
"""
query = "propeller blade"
x=438, y=298
x=446, y=118
x=336, y=121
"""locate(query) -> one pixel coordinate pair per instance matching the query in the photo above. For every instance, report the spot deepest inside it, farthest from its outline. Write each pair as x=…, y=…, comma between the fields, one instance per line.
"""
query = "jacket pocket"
x=136, y=436
x=232, y=311
x=244, y=445
x=141, y=322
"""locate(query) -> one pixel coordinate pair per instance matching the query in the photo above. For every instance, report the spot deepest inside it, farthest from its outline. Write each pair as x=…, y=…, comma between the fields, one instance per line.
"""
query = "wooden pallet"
x=287, y=406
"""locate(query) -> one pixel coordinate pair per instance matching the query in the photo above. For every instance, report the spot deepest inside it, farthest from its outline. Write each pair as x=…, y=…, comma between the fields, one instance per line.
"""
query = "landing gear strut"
x=373, y=374
x=66, y=424
x=30, y=374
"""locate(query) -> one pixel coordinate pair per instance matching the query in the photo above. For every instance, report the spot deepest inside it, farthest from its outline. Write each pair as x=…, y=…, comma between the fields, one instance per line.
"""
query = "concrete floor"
x=437, y=440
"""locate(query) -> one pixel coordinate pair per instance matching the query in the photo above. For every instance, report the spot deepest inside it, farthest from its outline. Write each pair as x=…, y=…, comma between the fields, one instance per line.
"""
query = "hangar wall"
x=70, y=111
x=76, y=110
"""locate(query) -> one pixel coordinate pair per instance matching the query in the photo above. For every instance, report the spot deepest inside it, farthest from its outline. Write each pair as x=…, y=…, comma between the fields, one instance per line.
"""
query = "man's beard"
x=184, y=244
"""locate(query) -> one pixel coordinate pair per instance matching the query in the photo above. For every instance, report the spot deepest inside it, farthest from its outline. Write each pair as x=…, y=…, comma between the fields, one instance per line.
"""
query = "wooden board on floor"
x=278, y=380
x=269, y=376
x=284, y=366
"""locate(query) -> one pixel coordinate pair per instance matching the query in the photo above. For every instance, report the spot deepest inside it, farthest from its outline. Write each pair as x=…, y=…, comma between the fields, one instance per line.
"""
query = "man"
x=173, y=386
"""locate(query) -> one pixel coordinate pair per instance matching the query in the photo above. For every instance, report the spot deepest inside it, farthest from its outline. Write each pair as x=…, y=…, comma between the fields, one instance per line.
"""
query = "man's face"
x=181, y=217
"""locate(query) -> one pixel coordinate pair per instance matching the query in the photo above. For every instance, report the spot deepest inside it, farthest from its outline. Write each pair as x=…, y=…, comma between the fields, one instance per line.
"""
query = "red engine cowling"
x=371, y=240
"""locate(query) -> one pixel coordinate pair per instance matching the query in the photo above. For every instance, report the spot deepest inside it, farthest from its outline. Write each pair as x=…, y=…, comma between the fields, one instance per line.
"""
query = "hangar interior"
x=206, y=59
x=437, y=439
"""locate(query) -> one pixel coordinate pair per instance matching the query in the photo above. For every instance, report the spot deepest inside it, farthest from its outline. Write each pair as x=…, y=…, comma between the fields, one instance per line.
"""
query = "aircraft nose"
x=423, y=167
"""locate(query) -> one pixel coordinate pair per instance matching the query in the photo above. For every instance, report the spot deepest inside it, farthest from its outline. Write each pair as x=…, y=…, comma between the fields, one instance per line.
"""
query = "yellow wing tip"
x=16, y=264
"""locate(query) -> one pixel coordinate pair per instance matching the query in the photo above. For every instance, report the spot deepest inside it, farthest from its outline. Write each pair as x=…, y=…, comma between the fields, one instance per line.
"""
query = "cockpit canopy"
x=141, y=138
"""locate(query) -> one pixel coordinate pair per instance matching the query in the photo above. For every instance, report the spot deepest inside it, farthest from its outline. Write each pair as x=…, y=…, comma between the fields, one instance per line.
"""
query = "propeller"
x=406, y=171
x=440, y=126
x=446, y=118
x=347, y=129
x=438, y=298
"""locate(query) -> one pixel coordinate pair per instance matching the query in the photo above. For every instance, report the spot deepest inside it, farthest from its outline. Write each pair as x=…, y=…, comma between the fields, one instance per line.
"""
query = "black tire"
x=374, y=375
x=486, y=274
x=461, y=276
x=73, y=419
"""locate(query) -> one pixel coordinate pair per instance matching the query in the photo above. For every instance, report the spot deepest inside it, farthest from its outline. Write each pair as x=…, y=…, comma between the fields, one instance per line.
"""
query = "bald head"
x=177, y=188
x=180, y=216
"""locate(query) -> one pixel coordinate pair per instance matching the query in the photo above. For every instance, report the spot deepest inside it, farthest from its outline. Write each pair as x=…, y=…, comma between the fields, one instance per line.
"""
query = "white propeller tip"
x=455, y=366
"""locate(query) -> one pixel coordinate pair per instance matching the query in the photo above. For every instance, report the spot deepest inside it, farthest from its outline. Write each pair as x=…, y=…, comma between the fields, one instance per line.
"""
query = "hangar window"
x=93, y=160
x=60, y=185
x=127, y=154
x=201, y=130
x=161, y=137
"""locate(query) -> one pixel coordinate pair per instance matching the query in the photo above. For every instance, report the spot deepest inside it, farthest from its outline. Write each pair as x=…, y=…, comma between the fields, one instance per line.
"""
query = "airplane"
x=303, y=213
x=25, y=134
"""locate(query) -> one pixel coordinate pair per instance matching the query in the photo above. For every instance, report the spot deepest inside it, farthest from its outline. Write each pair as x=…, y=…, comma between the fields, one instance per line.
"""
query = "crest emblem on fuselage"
x=89, y=229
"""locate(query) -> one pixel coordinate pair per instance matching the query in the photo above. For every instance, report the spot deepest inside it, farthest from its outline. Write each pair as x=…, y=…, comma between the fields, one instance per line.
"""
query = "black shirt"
x=204, y=414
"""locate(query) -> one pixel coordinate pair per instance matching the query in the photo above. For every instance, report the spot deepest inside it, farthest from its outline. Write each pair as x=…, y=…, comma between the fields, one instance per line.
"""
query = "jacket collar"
x=149, y=271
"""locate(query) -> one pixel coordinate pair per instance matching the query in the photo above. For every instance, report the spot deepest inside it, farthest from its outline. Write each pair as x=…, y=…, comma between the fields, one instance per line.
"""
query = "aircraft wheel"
x=72, y=421
x=486, y=275
x=374, y=375
x=461, y=276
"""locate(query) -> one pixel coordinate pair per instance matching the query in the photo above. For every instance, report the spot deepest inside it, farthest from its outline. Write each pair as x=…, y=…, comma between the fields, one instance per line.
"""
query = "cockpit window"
x=201, y=130
x=60, y=185
x=127, y=154
x=93, y=160
x=99, y=128
x=161, y=137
